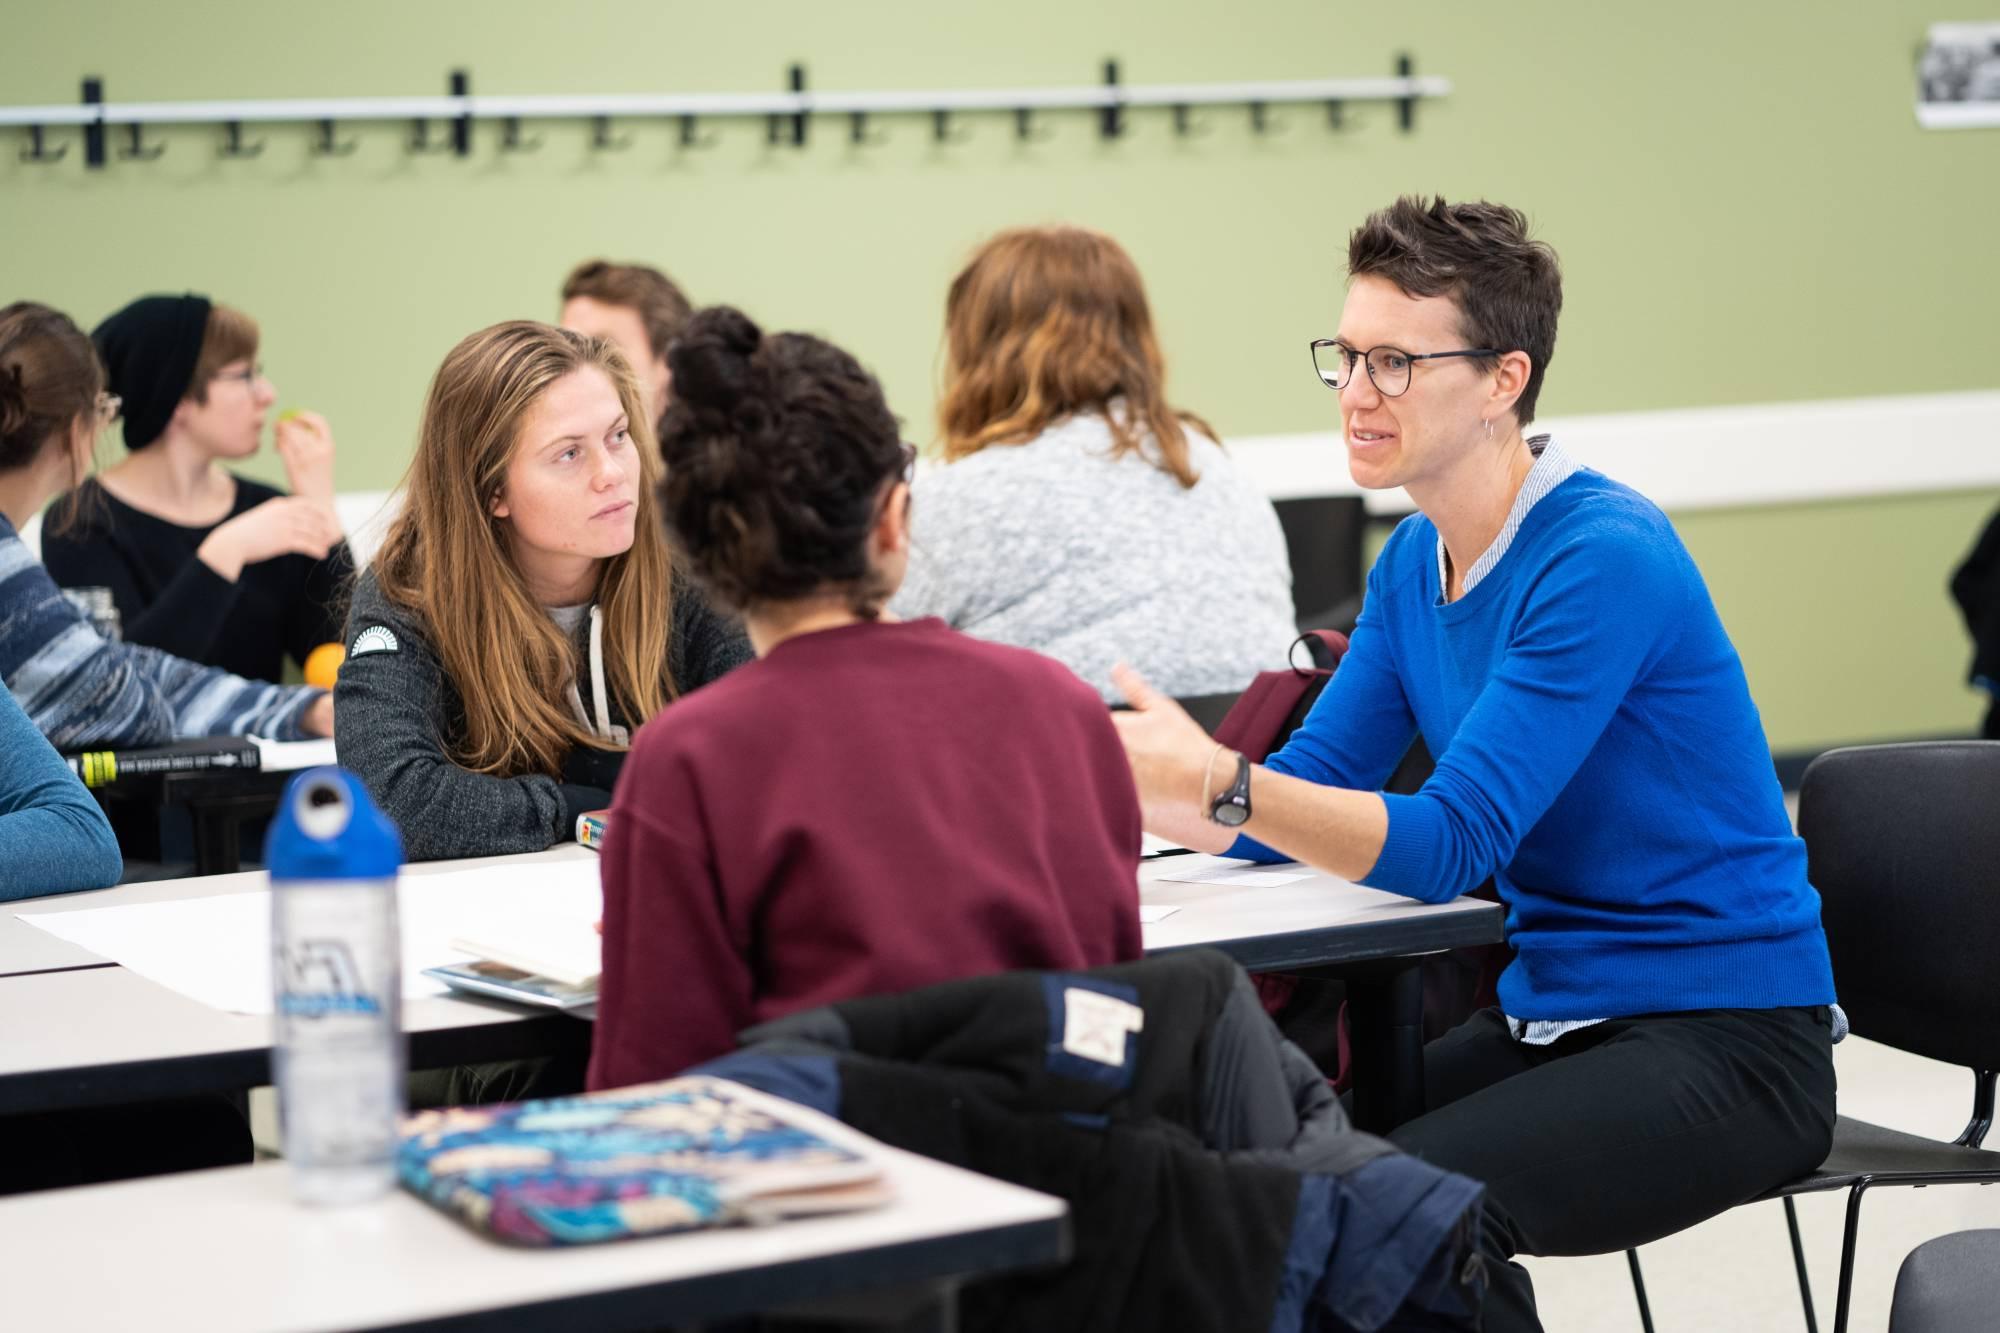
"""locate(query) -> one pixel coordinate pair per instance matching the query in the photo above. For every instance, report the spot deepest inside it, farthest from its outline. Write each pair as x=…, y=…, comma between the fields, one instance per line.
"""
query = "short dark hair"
x=777, y=450
x=662, y=307
x=1508, y=288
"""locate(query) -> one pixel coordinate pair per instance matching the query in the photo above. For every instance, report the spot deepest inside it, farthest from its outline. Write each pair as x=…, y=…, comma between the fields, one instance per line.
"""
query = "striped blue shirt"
x=81, y=689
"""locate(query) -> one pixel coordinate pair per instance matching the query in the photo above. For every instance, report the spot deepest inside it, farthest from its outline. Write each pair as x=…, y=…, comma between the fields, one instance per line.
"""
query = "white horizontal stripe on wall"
x=1718, y=457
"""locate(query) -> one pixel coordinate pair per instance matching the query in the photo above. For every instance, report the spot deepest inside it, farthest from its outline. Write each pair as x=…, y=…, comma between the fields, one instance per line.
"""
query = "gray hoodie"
x=396, y=715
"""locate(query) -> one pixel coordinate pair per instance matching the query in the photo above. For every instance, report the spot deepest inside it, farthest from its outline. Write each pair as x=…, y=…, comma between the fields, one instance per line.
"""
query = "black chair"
x=1323, y=537
x=1209, y=709
x=1903, y=844
x=1949, y=1285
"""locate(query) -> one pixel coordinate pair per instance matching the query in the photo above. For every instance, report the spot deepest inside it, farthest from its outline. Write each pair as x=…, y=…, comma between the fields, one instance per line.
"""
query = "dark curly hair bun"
x=713, y=361
x=777, y=452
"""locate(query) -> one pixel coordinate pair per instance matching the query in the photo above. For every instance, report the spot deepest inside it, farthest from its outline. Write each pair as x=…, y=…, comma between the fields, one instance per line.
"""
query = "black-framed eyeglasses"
x=1388, y=367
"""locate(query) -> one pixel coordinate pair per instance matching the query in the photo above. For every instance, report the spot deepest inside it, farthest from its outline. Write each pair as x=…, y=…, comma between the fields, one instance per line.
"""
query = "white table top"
x=77, y=1033
x=1227, y=915
x=224, y=1250
x=29, y=948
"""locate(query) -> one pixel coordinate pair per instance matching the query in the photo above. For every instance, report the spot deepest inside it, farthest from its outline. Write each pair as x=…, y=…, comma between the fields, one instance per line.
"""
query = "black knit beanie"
x=149, y=350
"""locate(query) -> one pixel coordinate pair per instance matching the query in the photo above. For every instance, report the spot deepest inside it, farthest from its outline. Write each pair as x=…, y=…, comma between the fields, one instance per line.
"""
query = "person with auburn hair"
x=1662, y=1047
x=198, y=561
x=522, y=614
x=79, y=688
x=1078, y=513
x=870, y=805
x=639, y=309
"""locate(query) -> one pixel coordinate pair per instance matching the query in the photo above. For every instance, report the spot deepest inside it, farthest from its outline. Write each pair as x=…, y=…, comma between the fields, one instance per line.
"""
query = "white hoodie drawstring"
x=598, y=695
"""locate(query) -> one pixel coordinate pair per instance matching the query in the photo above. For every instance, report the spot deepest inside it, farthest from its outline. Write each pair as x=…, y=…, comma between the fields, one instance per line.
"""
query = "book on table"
x=687, y=1154
x=547, y=960
x=101, y=768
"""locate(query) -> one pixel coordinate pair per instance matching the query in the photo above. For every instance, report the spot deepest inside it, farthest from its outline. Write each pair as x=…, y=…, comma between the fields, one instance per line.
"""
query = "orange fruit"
x=323, y=664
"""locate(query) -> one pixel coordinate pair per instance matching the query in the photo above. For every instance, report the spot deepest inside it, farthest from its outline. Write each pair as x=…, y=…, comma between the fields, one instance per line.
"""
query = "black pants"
x=1621, y=1133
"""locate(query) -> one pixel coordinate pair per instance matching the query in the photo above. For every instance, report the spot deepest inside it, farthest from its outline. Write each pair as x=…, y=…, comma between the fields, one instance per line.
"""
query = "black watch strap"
x=1231, y=806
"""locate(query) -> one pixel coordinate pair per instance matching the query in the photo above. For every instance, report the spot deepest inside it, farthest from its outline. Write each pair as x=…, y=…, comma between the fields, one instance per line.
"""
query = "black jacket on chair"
x=1213, y=1179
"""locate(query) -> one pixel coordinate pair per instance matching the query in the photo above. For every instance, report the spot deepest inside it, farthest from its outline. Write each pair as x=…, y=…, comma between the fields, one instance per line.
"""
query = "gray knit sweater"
x=396, y=714
x=1057, y=546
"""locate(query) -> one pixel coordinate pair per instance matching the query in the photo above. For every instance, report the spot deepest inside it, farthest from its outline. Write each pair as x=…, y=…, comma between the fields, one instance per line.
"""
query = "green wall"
x=1745, y=208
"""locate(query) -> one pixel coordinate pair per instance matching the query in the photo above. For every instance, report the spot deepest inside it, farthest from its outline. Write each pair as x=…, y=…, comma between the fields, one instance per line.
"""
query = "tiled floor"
x=1735, y=1272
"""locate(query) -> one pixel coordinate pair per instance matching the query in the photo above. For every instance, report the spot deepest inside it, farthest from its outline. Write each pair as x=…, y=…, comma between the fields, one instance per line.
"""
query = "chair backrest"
x=1323, y=538
x=1209, y=709
x=1948, y=1284
x=1903, y=844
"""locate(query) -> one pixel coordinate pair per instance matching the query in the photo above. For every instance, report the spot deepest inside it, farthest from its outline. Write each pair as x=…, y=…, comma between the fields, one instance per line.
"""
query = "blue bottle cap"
x=328, y=827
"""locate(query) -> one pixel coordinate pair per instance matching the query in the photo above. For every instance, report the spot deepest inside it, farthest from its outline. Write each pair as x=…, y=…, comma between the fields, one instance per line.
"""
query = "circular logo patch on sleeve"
x=374, y=639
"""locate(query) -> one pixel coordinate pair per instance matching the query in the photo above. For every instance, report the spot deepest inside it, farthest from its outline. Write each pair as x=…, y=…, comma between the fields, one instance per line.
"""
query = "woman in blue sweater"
x=1661, y=1050
x=53, y=837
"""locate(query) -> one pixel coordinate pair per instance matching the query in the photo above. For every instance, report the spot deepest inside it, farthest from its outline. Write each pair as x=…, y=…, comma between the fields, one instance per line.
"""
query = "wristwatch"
x=1231, y=806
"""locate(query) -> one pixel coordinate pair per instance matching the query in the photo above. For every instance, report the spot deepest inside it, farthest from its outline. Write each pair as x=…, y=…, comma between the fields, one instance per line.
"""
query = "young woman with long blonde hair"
x=522, y=615
x=1079, y=513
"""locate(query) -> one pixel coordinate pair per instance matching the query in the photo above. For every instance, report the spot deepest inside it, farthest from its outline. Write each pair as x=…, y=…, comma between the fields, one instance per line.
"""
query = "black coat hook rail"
x=786, y=112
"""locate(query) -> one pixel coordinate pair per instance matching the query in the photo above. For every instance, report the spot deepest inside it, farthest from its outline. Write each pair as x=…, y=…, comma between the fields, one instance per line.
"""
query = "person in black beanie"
x=200, y=562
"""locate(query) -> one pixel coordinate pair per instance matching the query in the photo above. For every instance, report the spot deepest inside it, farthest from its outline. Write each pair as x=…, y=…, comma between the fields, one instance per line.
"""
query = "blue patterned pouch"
x=682, y=1155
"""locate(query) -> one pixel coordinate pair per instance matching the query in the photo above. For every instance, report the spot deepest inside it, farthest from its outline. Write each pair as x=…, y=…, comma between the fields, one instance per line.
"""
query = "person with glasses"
x=1661, y=1047
x=1078, y=512
x=197, y=560
x=80, y=689
x=871, y=805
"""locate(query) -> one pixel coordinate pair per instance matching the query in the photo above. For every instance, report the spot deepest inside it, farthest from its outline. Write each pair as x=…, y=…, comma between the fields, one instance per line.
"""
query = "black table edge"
x=931, y=1260
x=1397, y=937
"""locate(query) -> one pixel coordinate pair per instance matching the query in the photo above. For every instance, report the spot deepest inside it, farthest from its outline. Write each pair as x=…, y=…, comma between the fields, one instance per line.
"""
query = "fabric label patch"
x=1095, y=1025
x=375, y=639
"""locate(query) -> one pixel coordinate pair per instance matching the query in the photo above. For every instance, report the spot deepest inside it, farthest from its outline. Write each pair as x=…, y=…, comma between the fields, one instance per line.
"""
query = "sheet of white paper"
x=290, y=756
x=1152, y=846
x=1231, y=870
x=218, y=950
x=1148, y=915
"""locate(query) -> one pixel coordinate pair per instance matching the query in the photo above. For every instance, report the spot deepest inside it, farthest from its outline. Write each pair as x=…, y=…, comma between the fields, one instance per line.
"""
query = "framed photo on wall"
x=1958, y=77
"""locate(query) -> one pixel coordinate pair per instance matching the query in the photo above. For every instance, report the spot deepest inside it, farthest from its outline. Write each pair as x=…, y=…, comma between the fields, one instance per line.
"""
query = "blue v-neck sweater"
x=1598, y=755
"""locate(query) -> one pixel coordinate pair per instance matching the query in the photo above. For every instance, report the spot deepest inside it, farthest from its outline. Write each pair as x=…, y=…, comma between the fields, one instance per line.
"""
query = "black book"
x=101, y=768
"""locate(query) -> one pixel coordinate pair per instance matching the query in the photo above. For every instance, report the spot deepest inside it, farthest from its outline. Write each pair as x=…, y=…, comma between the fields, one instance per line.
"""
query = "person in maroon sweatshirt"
x=870, y=806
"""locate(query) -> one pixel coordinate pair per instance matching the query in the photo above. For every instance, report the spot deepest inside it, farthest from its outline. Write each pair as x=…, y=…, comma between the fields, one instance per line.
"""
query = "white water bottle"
x=336, y=975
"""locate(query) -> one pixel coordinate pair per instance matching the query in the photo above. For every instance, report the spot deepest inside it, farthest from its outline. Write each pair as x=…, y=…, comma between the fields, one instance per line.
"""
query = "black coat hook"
x=691, y=138
x=38, y=151
x=1024, y=127
x=1185, y=124
x=232, y=141
x=511, y=140
x=325, y=145
x=1111, y=122
x=1261, y=121
x=135, y=145
x=604, y=140
x=1406, y=107
x=942, y=130
x=420, y=139
x=857, y=130
x=1336, y=115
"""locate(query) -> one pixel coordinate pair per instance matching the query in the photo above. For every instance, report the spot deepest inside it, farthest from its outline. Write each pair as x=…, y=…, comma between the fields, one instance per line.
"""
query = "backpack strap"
x=1324, y=649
